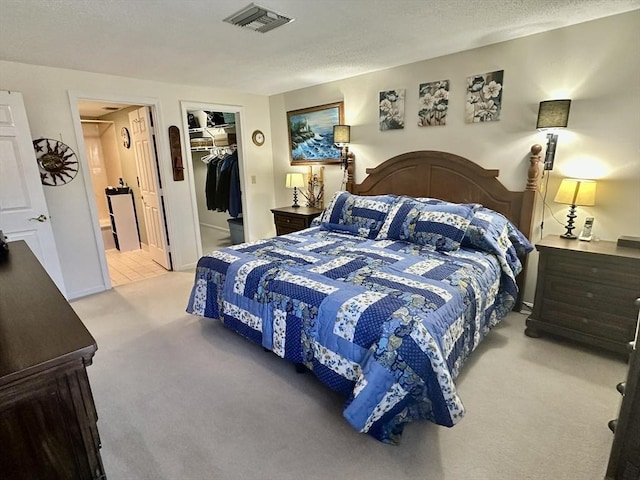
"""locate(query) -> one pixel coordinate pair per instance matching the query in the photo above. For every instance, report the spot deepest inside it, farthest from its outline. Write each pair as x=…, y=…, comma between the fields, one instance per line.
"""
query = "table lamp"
x=574, y=192
x=295, y=181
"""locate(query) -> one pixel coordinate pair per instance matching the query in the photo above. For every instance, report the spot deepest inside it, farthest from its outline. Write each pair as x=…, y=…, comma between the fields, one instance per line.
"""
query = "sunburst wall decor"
x=58, y=164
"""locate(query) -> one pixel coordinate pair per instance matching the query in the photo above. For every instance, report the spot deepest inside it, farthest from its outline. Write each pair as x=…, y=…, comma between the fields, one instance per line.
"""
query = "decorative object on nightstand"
x=315, y=188
x=574, y=192
x=290, y=219
x=295, y=181
x=585, y=292
x=552, y=114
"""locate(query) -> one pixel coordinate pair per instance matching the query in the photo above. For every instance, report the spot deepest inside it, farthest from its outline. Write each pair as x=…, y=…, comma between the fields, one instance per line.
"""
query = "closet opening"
x=119, y=144
x=212, y=140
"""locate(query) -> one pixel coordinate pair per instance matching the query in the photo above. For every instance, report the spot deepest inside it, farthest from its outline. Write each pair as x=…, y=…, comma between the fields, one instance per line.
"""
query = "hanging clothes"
x=211, y=182
x=235, y=193
x=222, y=187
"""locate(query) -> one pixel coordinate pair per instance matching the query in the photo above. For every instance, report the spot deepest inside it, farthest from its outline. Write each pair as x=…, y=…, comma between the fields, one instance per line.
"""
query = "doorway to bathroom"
x=120, y=153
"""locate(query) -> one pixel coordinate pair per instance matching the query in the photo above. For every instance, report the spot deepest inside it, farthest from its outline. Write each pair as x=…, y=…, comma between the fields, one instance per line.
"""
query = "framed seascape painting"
x=311, y=134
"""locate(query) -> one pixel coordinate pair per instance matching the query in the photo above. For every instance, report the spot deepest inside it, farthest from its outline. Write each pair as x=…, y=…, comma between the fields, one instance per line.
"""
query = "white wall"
x=45, y=92
x=596, y=64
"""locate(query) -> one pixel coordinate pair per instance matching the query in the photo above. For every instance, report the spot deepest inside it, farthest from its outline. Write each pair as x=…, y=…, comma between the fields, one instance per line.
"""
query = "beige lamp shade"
x=341, y=134
x=294, y=180
x=575, y=191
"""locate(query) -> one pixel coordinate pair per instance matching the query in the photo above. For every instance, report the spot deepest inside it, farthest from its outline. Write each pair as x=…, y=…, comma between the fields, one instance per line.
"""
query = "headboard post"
x=351, y=171
x=529, y=195
x=532, y=173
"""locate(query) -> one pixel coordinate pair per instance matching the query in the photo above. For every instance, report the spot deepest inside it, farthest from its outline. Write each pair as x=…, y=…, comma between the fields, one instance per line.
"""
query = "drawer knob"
x=594, y=270
x=589, y=295
x=585, y=320
x=288, y=220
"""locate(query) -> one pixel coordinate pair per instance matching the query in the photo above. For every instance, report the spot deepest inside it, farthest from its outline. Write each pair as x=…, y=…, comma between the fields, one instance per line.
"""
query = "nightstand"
x=586, y=291
x=290, y=219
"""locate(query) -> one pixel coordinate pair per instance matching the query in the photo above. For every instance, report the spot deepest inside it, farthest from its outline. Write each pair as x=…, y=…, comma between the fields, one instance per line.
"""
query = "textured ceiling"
x=186, y=41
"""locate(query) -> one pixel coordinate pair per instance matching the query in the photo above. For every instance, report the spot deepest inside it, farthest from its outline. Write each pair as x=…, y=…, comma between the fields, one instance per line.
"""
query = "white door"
x=23, y=208
x=152, y=199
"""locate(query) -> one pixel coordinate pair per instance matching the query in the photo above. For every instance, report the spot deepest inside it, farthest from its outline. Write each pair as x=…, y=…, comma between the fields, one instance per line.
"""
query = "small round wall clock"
x=126, y=138
x=258, y=138
x=58, y=164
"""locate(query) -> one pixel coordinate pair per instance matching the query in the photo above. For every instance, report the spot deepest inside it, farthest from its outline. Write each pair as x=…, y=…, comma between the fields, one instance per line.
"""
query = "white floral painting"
x=391, y=107
x=484, y=97
x=433, y=103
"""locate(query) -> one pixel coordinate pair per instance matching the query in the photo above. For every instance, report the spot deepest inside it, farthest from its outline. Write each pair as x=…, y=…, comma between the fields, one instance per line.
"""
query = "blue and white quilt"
x=386, y=322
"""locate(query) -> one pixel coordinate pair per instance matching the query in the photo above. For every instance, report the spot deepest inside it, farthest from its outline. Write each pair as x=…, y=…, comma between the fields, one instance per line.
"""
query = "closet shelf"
x=209, y=149
x=205, y=129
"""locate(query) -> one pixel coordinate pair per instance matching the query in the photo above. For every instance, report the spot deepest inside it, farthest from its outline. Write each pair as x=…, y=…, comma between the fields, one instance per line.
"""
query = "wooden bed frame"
x=450, y=177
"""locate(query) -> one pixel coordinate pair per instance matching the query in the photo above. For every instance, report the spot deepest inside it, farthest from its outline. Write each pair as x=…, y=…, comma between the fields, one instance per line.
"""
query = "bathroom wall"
x=99, y=178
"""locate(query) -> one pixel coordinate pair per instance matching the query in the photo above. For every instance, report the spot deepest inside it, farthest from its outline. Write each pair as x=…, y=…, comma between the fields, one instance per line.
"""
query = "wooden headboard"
x=450, y=177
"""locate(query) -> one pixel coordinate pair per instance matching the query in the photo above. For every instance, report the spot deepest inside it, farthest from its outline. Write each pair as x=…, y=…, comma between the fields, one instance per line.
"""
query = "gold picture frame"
x=311, y=134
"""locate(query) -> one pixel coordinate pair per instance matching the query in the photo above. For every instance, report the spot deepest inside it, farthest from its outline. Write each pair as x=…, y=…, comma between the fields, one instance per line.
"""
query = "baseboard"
x=85, y=292
x=215, y=227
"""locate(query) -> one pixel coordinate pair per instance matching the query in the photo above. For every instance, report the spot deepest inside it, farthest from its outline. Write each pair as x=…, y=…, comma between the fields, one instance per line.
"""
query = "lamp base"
x=570, y=217
x=568, y=236
x=295, y=198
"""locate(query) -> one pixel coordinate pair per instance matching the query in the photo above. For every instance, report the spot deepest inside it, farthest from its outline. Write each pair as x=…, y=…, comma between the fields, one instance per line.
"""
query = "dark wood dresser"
x=586, y=291
x=290, y=219
x=624, y=461
x=48, y=428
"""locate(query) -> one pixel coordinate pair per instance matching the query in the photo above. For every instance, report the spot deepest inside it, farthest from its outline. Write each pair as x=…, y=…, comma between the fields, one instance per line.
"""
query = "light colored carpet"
x=181, y=397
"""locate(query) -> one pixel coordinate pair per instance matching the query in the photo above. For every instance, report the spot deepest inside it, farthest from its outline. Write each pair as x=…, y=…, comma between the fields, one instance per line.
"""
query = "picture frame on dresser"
x=585, y=292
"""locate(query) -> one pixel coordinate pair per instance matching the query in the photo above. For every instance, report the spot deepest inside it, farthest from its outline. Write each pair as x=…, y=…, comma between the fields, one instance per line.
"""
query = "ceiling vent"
x=257, y=18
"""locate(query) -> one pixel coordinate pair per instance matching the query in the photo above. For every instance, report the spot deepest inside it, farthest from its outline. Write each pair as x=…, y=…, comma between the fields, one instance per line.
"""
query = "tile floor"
x=125, y=267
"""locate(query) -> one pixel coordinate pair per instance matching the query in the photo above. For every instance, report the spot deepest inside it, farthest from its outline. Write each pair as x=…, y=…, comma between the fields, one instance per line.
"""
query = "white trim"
x=214, y=227
x=238, y=110
x=84, y=293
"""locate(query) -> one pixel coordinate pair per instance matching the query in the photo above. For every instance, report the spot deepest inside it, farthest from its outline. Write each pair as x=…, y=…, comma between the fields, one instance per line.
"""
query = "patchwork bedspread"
x=386, y=323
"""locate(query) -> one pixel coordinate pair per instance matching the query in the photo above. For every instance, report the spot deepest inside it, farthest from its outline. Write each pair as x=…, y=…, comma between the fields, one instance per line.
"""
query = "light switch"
x=253, y=179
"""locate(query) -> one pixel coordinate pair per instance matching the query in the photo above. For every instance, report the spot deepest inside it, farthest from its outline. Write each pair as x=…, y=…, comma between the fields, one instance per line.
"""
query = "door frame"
x=158, y=125
x=186, y=106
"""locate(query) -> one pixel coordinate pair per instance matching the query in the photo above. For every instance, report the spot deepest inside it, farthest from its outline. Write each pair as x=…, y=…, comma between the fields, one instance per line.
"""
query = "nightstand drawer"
x=295, y=223
x=586, y=320
x=292, y=219
x=597, y=268
x=595, y=296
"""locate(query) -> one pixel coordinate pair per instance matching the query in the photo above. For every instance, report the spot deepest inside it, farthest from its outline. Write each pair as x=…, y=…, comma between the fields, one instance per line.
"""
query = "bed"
x=389, y=292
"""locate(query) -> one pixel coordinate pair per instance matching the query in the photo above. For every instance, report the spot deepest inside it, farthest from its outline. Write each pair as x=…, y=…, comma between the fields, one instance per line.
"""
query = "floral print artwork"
x=433, y=103
x=391, y=110
x=484, y=97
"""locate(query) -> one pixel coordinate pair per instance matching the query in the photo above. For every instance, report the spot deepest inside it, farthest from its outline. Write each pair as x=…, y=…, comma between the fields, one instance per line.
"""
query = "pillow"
x=440, y=225
x=361, y=215
x=488, y=226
